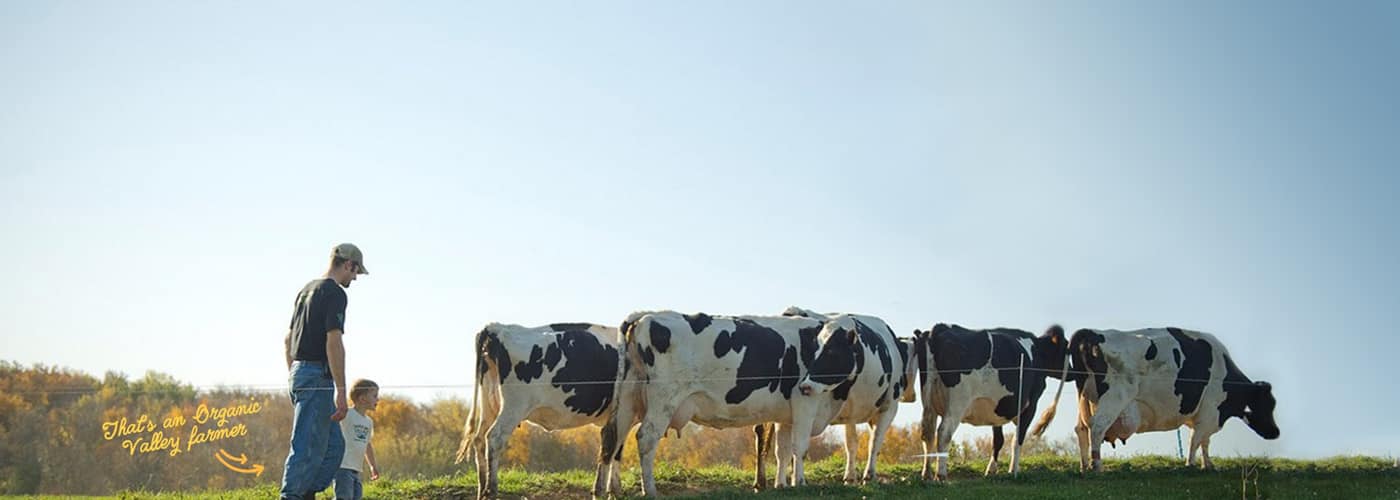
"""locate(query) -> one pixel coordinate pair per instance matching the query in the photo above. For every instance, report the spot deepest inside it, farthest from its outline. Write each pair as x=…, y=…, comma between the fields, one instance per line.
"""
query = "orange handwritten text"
x=121, y=428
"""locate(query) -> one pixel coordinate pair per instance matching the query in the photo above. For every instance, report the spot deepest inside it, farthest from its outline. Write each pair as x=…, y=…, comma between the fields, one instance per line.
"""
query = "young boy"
x=357, y=429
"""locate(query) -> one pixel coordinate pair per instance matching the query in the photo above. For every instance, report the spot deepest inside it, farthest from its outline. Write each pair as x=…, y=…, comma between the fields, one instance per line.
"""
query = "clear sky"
x=172, y=173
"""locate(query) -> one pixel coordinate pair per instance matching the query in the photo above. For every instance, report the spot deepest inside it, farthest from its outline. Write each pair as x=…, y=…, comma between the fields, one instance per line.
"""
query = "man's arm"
x=335, y=354
x=288, y=351
x=373, y=466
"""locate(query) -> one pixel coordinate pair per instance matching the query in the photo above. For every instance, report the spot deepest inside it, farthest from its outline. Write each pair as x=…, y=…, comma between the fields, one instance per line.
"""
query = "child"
x=357, y=429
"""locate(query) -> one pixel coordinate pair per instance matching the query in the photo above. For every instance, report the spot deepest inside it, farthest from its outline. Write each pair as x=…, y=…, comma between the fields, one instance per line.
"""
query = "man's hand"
x=340, y=407
x=373, y=474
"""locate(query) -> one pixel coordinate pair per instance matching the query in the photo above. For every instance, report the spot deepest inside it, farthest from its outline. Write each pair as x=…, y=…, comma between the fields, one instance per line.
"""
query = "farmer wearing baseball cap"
x=316, y=365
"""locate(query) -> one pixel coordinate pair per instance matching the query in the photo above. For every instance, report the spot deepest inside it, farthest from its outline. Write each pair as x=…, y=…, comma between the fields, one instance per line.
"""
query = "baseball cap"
x=350, y=252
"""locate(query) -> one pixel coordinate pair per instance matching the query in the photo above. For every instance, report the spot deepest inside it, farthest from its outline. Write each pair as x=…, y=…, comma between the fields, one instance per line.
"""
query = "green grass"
x=1042, y=477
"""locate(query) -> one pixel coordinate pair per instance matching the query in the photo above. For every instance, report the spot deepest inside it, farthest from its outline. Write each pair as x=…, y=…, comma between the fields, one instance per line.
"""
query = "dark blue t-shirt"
x=320, y=308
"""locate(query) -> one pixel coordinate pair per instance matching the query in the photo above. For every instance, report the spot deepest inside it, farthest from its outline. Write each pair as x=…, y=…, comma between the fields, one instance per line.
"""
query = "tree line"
x=59, y=435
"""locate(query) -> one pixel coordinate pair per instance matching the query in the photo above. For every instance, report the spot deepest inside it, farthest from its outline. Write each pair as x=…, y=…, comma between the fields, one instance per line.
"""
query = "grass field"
x=1044, y=477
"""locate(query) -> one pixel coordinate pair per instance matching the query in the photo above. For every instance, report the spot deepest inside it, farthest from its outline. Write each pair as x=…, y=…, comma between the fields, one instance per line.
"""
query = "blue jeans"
x=317, y=445
x=347, y=485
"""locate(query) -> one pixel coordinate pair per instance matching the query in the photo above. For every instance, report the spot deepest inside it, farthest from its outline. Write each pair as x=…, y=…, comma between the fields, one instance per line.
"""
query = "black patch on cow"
x=488, y=346
x=838, y=359
x=1191, y=378
x=921, y=354
x=660, y=336
x=609, y=442
x=763, y=350
x=791, y=371
x=1008, y=355
x=569, y=327
x=843, y=392
x=904, y=367
x=1016, y=370
x=1239, y=390
x=698, y=322
x=1007, y=407
x=1176, y=357
x=533, y=368
x=957, y=351
x=873, y=342
x=1151, y=351
x=1086, y=357
x=587, y=362
x=552, y=356
x=884, y=396
x=808, y=338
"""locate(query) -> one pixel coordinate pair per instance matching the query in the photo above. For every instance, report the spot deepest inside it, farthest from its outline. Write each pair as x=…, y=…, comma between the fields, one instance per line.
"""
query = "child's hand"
x=373, y=474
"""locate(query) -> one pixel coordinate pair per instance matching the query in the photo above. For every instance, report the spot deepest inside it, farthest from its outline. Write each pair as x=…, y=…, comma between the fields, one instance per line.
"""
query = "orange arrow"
x=242, y=458
x=256, y=469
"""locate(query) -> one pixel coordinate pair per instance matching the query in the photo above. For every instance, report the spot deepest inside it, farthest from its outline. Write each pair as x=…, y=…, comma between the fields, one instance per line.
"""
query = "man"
x=316, y=366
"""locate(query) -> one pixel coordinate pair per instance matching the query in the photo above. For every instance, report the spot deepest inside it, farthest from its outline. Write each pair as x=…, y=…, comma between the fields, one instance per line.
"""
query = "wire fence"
x=515, y=382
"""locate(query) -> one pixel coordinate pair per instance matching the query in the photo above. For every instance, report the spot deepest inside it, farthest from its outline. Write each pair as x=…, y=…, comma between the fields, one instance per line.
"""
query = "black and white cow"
x=865, y=369
x=717, y=371
x=972, y=376
x=559, y=376
x=1159, y=379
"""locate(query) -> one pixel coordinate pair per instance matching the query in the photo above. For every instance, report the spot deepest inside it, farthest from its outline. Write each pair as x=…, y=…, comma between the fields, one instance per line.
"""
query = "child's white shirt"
x=357, y=429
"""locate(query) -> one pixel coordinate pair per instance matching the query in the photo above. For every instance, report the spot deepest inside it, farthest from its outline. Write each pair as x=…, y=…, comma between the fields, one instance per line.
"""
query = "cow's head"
x=836, y=361
x=1259, y=411
x=1053, y=348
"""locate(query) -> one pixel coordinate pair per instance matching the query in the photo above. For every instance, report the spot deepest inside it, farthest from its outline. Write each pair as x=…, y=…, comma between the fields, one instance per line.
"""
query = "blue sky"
x=172, y=173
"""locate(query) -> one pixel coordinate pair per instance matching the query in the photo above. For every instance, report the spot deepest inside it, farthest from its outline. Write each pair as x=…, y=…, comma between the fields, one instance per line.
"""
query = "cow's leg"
x=957, y=409
x=496, y=438
x=782, y=445
x=607, y=444
x=623, y=418
x=1023, y=425
x=1191, y=452
x=1205, y=454
x=877, y=439
x=649, y=435
x=1200, y=438
x=998, y=440
x=763, y=440
x=1081, y=431
x=1111, y=406
x=852, y=446
x=482, y=467
x=928, y=435
x=803, y=423
x=1206, y=425
x=801, y=437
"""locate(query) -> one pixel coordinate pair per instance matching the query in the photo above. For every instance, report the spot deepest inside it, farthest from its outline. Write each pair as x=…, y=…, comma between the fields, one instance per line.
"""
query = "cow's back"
x=566, y=373
x=1170, y=374
x=723, y=370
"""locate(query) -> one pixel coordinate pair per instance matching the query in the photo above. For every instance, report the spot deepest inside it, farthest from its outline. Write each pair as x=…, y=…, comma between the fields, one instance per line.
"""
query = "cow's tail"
x=627, y=395
x=920, y=356
x=909, y=394
x=486, y=342
x=1049, y=413
x=1056, y=335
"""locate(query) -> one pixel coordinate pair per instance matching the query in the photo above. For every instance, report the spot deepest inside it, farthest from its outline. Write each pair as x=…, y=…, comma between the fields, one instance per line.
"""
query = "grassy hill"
x=1043, y=477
